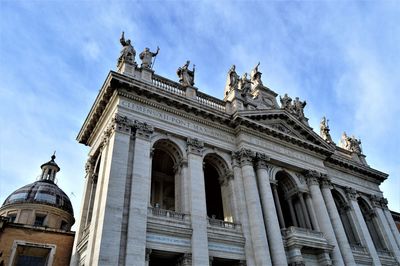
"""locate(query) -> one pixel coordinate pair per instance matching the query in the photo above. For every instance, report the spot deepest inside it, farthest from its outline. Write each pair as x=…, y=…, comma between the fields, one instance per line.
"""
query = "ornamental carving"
x=351, y=193
x=296, y=107
x=350, y=143
x=194, y=146
x=301, y=178
x=384, y=203
x=325, y=182
x=89, y=166
x=261, y=160
x=245, y=156
x=312, y=177
x=185, y=260
x=143, y=130
x=122, y=123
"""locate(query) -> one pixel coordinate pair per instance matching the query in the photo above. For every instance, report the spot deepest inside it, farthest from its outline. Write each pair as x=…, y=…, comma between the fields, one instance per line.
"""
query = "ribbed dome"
x=42, y=192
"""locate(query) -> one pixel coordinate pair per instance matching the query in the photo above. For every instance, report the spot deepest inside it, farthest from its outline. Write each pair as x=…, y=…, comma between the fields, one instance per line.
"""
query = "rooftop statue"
x=232, y=79
x=146, y=56
x=186, y=76
x=255, y=75
x=244, y=85
x=286, y=102
x=298, y=107
x=128, y=53
x=324, y=130
x=350, y=143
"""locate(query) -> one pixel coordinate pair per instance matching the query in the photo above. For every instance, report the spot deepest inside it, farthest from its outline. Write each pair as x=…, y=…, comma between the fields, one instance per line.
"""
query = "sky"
x=342, y=57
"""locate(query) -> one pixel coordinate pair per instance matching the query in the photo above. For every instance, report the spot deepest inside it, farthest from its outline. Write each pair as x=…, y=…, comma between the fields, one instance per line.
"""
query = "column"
x=256, y=221
x=198, y=207
x=390, y=221
x=140, y=195
x=351, y=194
x=292, y=213
x=311, y=211
x=305, y=212
x=107, y=216
x=278, y=206
x=341, y=237
x=184, y=190
x=148, y=252
x=277, y=249
x=387, y=233
x=242, y=208
x=322, y=215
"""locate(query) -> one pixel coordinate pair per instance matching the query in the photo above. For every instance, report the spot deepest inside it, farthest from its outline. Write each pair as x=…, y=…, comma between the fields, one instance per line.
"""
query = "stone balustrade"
x=210, y=101
x=167, y=213
x=168, y=85
x=224, y=224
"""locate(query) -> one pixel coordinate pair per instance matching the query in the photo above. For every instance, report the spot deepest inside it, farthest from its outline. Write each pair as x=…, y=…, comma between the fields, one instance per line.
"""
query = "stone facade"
x=178, y=177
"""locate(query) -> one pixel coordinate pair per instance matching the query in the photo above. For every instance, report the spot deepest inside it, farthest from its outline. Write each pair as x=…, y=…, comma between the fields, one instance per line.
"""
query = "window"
x=12, y=217
x=39, y=220
x=64, y=225
x=32, y=254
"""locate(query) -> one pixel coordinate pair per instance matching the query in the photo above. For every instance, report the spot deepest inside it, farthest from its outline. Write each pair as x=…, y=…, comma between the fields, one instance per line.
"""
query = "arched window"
x=217, y=194
x=343, y=210
x=166, y=158
x=371, y=221
x=291, y=201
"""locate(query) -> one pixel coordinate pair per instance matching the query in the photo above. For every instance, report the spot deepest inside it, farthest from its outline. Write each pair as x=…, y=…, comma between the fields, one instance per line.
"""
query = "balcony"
x=295, y=236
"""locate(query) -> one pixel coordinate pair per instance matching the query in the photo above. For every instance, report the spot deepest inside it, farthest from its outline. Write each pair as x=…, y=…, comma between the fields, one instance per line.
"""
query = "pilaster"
x=322, y=214
x=198, y=207
x=140, y=194
x=390, y=221
x=257, y=228
x=276, y=246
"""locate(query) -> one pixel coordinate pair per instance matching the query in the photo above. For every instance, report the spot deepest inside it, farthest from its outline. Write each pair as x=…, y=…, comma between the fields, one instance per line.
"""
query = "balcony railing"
x=210, y=101
x=224, y=224
x=359, y=249
x=302, y=231
x=168, y=85
x=167, y=213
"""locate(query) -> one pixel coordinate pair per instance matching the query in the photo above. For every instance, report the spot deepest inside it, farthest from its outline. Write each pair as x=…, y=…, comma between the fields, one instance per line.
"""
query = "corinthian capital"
x=351, y=193
x=261, y=160
x=143, y=130
x=122, y=124
x=312, y=177
x=244, y=156
x=194, y=146
x=325, y=182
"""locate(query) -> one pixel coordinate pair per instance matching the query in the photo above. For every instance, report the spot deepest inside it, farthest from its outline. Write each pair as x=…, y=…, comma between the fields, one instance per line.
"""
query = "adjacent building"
x=35, y=223
x=177, y=177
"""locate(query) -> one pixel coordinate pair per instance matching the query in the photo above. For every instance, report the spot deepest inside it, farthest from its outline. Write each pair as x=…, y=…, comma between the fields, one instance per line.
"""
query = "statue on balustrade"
x=146, y=56
x=232, y=79
x=186, y=76
x=286, y=102
x=244, y=85
x=255, y=75
x=298, y=107
x=128, y=53
x=324, y=130
x=351, y=143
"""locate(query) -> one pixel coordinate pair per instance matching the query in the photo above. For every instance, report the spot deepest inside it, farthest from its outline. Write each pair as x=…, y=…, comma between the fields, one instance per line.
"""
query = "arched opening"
x=370, y=220
x=216, y=188
x=343, y=210
x=291, y=203
x=163, y=175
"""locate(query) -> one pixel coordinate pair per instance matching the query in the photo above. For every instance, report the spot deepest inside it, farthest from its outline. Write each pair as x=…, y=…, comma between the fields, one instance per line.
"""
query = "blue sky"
x=342, y=57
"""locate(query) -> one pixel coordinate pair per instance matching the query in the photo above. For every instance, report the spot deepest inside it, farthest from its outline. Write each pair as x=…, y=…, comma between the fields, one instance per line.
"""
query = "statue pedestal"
x=146, y=74
x=127, y=69
x=191, y=92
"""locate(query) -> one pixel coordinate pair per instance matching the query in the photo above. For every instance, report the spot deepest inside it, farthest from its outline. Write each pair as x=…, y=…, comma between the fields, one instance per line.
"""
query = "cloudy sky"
x=342, y=57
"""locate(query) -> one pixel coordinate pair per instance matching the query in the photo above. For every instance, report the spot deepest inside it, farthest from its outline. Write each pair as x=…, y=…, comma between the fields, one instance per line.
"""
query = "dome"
x=41, y=192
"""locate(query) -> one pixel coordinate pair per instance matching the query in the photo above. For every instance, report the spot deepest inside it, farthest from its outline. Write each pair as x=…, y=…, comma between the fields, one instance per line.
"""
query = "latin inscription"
x=225, y=248
x=167, y=240
x=177, y=121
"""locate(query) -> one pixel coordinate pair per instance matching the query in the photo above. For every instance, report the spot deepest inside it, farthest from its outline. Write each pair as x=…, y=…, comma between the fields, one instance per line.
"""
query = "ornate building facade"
x=177, y=177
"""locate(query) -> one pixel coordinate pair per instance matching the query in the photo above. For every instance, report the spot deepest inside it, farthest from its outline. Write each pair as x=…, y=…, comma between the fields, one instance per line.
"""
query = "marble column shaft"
x=277, y=249
x=278, y=206
x=393, y=228
x=257, y=228
x=311, y=211
x=305, y=212
x=341, y=237
x=323, y=217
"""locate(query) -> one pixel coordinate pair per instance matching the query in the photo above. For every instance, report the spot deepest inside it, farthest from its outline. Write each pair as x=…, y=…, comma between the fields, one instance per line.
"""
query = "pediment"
x=280, y=121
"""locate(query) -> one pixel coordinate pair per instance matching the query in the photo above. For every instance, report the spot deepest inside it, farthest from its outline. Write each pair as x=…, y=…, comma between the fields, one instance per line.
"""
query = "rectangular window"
x=39, y=220
x=12, y=217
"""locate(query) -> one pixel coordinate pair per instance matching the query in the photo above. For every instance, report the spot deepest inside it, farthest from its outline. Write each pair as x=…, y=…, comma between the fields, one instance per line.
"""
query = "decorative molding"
x=194, y=146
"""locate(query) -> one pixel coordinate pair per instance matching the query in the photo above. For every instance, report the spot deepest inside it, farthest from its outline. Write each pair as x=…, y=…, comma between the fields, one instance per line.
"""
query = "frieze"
x=180, y=121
